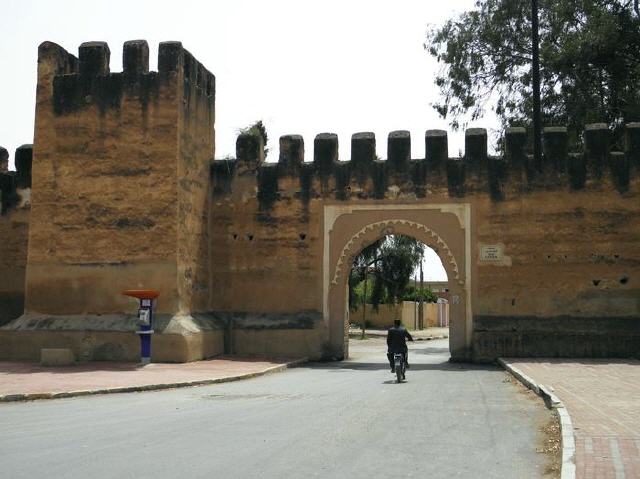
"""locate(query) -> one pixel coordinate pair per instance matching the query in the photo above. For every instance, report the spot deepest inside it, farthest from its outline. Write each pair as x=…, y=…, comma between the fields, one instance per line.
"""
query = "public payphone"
x=146, y=298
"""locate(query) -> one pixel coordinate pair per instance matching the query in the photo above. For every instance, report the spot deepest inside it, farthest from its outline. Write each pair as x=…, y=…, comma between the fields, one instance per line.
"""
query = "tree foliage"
x=589, y=60
x=416, y=294
x=387, y=264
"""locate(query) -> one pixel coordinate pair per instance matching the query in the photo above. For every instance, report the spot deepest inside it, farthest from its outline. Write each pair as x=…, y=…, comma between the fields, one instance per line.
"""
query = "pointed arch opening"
x=348, y=232
x=397, y=277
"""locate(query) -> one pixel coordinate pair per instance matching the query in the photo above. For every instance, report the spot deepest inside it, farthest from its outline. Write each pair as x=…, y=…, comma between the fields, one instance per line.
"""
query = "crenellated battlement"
x=86, y=80
x=366, y=177
x=13, y=183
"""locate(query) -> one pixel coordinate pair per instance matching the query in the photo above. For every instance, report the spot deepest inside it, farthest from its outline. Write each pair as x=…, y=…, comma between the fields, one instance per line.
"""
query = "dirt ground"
x=549, y=442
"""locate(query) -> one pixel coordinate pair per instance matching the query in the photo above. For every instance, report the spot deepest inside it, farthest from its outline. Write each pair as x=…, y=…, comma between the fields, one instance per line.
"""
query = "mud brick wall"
x=15, y=192
x=266, y=254
x=196, y=146
x=568, y=282
x=108, y=150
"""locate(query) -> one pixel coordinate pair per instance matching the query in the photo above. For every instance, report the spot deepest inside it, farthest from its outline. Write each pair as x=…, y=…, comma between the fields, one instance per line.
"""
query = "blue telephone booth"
x=147, y=299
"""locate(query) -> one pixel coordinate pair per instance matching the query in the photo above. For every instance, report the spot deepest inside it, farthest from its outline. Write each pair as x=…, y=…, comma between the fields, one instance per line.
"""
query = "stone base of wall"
x=191, y=338
x=555, y=337
x=292, y=343
x=177, y=339
x=300, y=334
x=110, y=338
x=110, y=346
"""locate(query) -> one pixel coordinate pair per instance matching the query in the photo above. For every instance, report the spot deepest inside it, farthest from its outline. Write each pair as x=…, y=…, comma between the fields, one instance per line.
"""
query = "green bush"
x=416, y=294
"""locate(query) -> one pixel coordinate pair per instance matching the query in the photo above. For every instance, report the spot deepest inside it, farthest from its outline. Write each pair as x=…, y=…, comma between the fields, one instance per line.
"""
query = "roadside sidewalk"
x=603, y=400
x=418, y=335
x=20, y=381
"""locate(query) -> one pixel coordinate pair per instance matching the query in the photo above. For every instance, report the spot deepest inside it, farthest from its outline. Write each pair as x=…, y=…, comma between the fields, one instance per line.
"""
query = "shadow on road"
x=430, y=351
x=371, y=356
x=355, y=365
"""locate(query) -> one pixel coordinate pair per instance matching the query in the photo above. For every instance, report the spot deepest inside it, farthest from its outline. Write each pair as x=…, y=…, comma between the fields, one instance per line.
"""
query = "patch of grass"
x=258, y=128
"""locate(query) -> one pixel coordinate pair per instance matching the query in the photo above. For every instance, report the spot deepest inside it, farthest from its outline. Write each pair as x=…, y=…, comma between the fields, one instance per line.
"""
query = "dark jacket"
x=397, y=339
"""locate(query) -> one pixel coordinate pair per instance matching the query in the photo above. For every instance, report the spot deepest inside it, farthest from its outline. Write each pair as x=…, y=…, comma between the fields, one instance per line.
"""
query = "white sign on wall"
x=491, y=252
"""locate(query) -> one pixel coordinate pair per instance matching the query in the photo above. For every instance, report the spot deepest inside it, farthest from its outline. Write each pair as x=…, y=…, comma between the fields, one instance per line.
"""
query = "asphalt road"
x=325, y=420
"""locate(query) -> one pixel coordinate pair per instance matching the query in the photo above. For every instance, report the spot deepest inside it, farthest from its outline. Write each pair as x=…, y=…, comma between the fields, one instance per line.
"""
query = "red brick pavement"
x=31, y=378
x=603, y=399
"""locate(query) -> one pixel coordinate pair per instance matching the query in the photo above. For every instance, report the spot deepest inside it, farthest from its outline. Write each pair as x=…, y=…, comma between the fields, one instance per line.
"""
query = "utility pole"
x=364, y=302
x=415, y=303
x=535, y=78
x=420, y=304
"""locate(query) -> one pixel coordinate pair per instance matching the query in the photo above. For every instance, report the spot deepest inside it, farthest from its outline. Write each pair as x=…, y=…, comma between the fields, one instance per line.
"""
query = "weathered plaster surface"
x=125, y=195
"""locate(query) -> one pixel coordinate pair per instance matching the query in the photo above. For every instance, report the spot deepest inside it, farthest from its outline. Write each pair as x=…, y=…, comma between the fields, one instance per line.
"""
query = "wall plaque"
x=491, y=252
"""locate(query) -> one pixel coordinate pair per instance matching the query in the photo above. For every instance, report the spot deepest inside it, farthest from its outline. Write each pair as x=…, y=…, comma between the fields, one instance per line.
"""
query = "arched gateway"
x=122, y=192
x=444, y=228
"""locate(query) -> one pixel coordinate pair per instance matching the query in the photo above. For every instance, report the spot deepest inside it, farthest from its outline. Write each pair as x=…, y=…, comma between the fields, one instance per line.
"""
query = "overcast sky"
x=301, y=67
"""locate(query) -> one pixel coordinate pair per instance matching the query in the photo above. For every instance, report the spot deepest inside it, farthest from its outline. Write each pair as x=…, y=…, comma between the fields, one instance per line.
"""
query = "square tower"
x=120, y=190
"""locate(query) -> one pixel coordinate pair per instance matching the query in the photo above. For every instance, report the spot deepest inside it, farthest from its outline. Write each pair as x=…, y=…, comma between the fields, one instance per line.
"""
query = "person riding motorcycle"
x=396, y=343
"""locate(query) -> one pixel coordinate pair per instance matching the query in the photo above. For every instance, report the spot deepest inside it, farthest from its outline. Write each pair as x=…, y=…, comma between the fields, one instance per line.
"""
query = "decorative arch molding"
x=386, y=227
x=362, y=224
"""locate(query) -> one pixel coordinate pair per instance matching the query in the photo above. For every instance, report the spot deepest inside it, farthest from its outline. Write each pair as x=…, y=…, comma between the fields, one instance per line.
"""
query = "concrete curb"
x=568, y=470
x=150, y=387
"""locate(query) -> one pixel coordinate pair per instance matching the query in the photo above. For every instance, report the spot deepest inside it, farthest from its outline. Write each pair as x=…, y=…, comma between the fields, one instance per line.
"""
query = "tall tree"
x=589, y=62
x=389, y=264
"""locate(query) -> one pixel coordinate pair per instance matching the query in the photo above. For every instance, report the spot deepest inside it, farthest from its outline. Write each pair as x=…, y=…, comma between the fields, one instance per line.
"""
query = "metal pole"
x=415, y=303
x=420, y=305
x=535, y=77
x=364, y=302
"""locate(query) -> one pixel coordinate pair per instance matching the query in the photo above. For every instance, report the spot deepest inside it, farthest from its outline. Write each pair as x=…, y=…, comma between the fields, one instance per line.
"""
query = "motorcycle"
x=399, y=366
